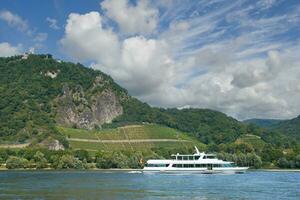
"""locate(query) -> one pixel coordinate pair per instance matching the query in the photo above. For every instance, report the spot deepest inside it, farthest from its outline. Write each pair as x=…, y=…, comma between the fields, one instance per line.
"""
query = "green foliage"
x=40, y=160
x=27, y=94
x=82, y=155
x=118, y=159
x=289, y=127
x=283, y=163
x=241, y=159
x=208, y=125
x=70, y=162
x=14, y=162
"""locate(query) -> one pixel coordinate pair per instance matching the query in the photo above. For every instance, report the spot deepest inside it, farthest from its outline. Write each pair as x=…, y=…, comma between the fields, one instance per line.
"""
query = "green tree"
x=70, y=162
x=283, y=163
x=40, y=160
x=14, y=162
x=82, y=155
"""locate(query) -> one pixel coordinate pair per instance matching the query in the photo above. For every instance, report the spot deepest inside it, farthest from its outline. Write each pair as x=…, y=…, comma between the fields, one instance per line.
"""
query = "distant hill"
x=287, y=127
x=263, y=122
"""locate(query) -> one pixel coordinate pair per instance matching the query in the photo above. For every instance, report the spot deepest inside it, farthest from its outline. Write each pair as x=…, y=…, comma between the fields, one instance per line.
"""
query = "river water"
x=130, y=185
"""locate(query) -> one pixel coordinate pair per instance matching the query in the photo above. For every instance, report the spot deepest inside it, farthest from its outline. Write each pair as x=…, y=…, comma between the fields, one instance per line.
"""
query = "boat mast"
x=197, y=151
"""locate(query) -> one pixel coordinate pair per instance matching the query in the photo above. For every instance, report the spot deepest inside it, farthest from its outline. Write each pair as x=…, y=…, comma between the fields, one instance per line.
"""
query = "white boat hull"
x=196, y=170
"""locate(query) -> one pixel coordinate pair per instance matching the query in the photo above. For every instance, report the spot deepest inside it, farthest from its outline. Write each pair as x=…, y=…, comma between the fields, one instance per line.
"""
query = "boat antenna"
x=197, y=151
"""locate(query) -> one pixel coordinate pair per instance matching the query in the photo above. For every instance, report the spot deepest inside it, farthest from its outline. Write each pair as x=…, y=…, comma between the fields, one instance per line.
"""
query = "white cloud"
x=21, y=24
x=7, y=49
x=141, y=18
x=85, y=38
x=266, y=4
x=40, y=37
x=14, y=20
x=52, y=23
x=239, y=67
x=137, y=63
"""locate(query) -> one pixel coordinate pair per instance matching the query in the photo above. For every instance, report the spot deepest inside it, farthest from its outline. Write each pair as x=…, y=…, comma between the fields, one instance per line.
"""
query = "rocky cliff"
x=75, y=108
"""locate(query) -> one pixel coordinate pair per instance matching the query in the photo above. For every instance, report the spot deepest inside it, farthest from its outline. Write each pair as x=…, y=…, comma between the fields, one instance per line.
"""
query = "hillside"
x=49, y=103
x=130, y=138
x=290, y=127
x=40, y=92
x=266, y=123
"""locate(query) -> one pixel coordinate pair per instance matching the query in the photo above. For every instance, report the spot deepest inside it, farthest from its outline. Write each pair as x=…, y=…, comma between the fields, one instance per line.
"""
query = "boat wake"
x=134, y=172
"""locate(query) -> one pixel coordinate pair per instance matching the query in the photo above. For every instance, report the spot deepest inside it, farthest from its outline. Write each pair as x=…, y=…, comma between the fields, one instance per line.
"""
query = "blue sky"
x=240, y=57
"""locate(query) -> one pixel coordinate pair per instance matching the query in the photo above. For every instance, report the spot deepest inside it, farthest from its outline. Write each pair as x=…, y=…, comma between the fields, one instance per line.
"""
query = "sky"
x=240, y=57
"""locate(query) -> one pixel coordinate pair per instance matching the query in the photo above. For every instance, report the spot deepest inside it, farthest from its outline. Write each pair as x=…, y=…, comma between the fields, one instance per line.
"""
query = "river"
x=130, y=185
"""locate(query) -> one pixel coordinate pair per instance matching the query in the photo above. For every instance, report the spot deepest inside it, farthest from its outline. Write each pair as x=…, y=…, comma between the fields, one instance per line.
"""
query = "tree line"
x=30, y=158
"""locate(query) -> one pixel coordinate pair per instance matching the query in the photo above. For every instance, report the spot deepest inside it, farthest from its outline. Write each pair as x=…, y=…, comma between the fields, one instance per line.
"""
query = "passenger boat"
x=199, y=162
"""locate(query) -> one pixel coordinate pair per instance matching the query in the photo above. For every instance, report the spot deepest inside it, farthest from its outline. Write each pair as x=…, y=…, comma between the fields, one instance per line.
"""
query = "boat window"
x=197, y=157
x=191, y=157
x=177, y=165
x=226, y=165
x=179, y=157
x=188, y=165
x=157, y=165
x=209, y=157
x=185, y=157
x=216, y=165
x=200, y=165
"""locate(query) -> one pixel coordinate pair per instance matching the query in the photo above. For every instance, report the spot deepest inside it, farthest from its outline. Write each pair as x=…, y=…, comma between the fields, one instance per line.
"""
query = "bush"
x=70, y=162
x=83, y=155
x=108, y=160
x=14, y=162
x=40, y=160
x=283, y=163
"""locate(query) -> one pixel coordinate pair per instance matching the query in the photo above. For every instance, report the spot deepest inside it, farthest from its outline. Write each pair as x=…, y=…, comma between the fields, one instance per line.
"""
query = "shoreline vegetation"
x=41, y=158
x=126, y=170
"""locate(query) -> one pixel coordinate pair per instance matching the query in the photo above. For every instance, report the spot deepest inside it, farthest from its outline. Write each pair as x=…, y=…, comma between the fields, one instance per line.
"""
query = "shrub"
x=40, y=160
x=14, y=162
x=70, y=162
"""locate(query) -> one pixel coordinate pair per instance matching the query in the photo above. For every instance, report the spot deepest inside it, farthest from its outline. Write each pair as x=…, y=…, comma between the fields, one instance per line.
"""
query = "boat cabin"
x=194, y=157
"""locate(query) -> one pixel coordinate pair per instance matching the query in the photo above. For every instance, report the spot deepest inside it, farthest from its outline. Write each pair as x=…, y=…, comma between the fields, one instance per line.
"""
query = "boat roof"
x=198, y=153
x=211, y=161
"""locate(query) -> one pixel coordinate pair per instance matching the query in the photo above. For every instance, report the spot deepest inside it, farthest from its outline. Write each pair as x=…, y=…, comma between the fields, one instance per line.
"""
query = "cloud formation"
x=7, y=49
x=225, y=56
x=138, y=19
x=52, y=23
x=15, y=21
x=40, y=37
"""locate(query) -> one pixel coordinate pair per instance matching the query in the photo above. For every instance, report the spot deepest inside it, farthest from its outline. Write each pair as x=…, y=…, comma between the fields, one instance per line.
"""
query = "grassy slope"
x=254, y=140
x=149, y=131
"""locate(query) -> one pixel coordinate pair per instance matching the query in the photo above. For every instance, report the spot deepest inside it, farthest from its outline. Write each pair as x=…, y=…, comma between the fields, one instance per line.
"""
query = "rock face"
x=53, y=145
x=76, y=109
x=56, y=146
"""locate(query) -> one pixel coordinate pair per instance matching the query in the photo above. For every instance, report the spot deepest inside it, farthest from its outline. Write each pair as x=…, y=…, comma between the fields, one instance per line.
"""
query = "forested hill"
x=266, y=123
x=38, y=93
x=289, y=127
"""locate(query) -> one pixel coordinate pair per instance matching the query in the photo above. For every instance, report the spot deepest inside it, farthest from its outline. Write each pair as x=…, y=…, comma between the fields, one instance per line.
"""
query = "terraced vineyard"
x=134, y=137
x=254, y=140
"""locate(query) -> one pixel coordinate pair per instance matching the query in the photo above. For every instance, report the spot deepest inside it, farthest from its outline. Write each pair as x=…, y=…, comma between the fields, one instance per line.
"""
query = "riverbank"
x=127, y=170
